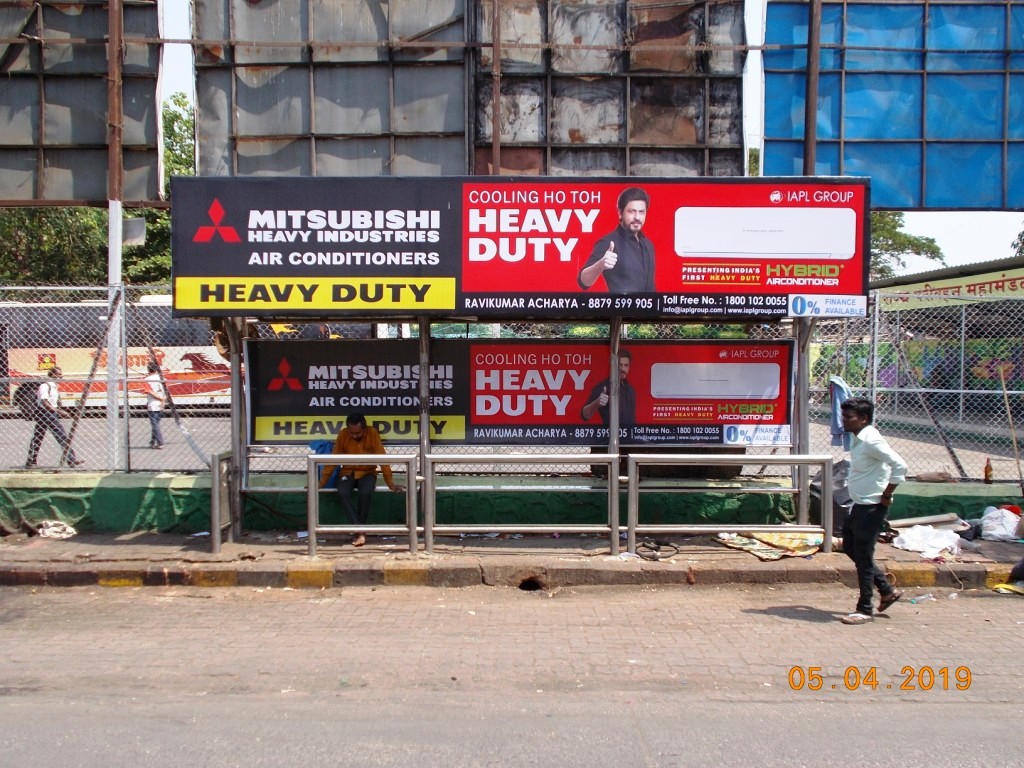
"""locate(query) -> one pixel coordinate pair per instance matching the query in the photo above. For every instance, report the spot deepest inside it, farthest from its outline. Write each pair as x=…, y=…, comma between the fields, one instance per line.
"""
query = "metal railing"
x=636, y=460
x=313, y=464
x=432, y=460
x=610, y=528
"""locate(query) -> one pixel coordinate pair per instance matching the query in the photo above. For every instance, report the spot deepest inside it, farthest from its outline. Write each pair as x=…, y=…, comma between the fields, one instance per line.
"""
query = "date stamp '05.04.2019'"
x=910, y=678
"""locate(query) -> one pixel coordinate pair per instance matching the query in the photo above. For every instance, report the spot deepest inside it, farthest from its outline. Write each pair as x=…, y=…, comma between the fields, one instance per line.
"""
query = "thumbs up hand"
x=610, y=257
x=603, y=398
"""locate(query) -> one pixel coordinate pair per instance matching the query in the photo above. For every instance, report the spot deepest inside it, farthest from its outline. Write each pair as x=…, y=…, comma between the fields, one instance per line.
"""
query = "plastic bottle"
x=988, y=471
x=922, y=598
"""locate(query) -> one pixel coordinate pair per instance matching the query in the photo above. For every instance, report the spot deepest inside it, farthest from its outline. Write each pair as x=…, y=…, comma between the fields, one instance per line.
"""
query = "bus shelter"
x=616, y=252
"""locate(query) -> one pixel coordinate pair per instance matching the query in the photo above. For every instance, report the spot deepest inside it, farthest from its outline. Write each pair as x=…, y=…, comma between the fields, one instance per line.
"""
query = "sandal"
x=888, y=600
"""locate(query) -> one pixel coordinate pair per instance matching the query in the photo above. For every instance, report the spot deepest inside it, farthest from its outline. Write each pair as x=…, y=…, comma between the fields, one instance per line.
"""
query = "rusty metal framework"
x=79, y=119
x=406, y=87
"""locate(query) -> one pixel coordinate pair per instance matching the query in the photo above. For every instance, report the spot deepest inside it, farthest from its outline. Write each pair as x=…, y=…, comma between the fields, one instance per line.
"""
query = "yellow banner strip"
x=255, y=294
x=296, y=429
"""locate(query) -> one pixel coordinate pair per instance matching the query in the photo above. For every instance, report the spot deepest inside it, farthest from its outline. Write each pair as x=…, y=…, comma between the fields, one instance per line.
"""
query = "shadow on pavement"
x=799, y=613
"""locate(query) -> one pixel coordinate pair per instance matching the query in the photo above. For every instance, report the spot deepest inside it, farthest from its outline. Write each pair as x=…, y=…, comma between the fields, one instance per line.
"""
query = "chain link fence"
x=947, y=375
x=103, y=340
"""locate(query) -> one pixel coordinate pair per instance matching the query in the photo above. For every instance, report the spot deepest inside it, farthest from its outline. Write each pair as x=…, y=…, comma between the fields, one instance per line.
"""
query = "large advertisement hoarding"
x=922, y=96
x=524, y=392
x=702, y=249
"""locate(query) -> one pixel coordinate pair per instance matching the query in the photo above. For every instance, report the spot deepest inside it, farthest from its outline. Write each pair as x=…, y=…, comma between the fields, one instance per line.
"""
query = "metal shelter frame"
x=801, y=422
x=422, y=486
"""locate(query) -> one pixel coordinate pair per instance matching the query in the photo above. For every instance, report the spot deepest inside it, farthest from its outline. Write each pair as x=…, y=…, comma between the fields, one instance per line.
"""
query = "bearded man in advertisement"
x=625, y=256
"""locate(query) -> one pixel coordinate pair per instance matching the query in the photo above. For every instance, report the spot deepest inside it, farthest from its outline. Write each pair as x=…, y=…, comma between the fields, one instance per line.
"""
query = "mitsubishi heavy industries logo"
x=285, y=379
x=207, y=232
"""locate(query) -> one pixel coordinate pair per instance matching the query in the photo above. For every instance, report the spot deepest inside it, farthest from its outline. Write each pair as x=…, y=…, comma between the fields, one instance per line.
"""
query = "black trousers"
x=47, y=420
x=860, y=532
x=363, y=487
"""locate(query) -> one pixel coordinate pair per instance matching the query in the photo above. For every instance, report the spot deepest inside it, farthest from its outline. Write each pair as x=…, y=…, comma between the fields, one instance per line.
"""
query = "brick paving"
x=733, y=643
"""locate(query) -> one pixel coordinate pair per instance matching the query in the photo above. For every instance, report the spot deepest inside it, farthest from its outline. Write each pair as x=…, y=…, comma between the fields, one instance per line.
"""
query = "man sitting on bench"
x=357, y=437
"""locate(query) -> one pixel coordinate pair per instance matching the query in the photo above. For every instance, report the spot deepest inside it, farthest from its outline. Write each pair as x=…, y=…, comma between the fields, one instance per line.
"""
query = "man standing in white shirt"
x=875, y=471
x=47, y=415
x=156, y=396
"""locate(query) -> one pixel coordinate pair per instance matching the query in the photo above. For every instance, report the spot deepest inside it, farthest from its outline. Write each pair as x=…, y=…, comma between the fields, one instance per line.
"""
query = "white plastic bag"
x=929, y=541
x=999, y=524
x=55, y=529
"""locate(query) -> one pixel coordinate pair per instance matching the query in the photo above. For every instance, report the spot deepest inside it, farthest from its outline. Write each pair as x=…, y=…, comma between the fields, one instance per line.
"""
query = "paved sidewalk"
x=267, y=559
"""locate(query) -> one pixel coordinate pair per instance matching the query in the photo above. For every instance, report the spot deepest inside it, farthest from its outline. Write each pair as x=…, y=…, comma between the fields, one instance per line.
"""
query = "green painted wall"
x=120, y=503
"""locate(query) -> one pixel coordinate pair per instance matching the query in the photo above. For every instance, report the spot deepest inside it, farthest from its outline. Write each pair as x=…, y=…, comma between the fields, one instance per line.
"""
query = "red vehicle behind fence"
x=34, y=337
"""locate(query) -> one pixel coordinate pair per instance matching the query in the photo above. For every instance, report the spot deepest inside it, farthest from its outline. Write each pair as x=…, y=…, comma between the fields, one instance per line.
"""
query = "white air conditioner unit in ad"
x=715, y=381
x=772, y=233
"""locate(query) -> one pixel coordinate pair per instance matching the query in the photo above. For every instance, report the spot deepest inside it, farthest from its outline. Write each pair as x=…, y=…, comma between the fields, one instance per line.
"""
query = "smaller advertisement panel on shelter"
x=525, y=392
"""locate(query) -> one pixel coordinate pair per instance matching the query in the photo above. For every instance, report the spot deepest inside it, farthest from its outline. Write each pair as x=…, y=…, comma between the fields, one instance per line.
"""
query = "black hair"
x=860, y=406
x=632, y=194
x=355, y=418
x=153, y=367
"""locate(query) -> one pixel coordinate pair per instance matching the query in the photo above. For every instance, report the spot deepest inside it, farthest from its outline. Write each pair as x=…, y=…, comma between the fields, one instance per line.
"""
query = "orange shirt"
x=370, y=443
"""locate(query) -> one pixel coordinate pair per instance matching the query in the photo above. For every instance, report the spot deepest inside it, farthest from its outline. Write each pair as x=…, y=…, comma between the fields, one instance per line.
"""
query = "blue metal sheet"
x=883, y=105
x=928, y=92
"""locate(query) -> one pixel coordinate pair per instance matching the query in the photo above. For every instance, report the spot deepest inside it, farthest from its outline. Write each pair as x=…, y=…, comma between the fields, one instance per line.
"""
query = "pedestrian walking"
x=875, y=472
x=156, y=396
x=47, y=418
x=357, y=437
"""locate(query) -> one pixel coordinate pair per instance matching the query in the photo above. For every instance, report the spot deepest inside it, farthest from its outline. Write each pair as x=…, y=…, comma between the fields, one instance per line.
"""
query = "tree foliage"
x=890, y=245
x=754, y=162
x=179, y=138
x=53, y=246
x=68, y=246
x=1018, y=246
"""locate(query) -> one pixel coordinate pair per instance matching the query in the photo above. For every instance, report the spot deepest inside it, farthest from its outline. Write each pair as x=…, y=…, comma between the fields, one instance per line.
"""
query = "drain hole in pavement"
x=531, y=584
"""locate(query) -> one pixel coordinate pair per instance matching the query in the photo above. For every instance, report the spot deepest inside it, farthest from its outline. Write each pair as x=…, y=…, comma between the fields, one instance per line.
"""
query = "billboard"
x=523, y=392
x=926, y=97
x=701, y=249
x=193, y=375
x=56, y=122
